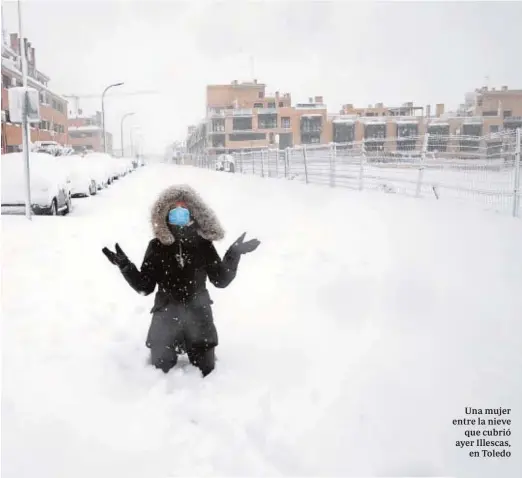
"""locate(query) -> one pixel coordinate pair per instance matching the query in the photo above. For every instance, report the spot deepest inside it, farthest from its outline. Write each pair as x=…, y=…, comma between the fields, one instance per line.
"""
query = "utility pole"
x=26, y=131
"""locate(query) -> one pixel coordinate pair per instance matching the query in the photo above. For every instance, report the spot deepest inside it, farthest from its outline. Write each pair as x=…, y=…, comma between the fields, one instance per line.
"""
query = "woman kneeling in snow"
x=178, y=260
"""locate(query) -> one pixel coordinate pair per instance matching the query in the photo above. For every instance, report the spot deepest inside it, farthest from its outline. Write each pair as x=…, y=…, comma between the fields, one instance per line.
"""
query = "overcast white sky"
x=349, y=52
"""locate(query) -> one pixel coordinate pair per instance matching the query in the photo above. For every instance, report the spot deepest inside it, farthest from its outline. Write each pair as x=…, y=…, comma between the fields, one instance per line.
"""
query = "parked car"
x=50, y=185
x=102, y=168
x=81, y=174
x=226, y=162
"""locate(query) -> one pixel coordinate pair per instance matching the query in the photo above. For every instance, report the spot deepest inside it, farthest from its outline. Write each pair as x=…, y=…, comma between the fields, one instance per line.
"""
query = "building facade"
x=53, y=107
x=240, y=116
x=86, y=133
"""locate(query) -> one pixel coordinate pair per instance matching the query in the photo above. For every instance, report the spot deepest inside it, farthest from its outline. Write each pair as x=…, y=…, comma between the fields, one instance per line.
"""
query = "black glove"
x=240, y=247
x=119, y=258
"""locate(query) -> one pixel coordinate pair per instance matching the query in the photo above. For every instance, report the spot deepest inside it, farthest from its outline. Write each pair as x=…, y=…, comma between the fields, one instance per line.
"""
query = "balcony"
x=266, y=111
x=513, y=119
x=473, y=120
x=311, y=129
x=242, y=112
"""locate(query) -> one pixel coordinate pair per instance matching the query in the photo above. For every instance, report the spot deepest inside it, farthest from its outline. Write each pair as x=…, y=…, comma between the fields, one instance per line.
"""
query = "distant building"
x=240, y=116
x=53, y=107
x=86, y=133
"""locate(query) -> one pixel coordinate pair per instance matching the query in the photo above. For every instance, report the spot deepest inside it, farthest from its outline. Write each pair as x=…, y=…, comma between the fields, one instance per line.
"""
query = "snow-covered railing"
x=483, y=169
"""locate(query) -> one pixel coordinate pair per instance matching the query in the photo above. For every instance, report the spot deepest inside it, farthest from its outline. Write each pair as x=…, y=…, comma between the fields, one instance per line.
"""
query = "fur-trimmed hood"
x=208, y=224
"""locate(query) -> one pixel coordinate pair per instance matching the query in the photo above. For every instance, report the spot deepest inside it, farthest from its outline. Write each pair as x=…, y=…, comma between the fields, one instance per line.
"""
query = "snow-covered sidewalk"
x=361, y=327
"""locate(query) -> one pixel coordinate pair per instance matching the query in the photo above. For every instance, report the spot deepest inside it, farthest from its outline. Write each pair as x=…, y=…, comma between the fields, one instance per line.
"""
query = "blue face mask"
x=179, y=216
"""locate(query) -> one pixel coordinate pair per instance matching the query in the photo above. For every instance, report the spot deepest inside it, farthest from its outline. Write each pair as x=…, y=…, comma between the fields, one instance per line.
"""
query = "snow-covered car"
x=102, y=167
x=226, y=162
x=50, y=185
x=81, y=175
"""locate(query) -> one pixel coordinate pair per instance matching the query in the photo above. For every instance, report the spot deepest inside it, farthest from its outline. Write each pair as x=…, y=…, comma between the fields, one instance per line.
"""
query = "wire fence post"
x=286, y=161
x=422, y=165
x=362, y=161
x=305, y=164
x=516, y=185
x=278, y=151
x=333, y=154
x=263, y=154
x=241, y=161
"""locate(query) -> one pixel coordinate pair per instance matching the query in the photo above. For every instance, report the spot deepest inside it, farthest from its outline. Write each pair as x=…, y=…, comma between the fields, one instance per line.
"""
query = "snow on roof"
x=91, y=127
x=372, y=120
x=13, y=68
x=344, y=120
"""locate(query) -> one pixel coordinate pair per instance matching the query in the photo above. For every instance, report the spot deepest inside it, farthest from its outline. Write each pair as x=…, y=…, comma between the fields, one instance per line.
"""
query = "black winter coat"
x=181, y=269
x=182, y=313
x=182, y=307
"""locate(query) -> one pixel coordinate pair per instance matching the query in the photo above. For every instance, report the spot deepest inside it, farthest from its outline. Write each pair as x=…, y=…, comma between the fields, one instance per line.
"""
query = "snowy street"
x=349, y=341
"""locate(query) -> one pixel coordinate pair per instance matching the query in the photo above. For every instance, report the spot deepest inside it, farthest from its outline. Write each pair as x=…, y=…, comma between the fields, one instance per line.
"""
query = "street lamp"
x=103, y=113
x=121, y=131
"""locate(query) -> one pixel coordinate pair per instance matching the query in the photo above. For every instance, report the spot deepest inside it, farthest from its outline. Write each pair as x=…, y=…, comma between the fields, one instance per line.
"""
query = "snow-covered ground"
x=361, y=327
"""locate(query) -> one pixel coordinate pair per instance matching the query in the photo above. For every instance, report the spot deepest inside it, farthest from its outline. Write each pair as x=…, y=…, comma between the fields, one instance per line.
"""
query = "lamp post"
x=103, y=113
x=121, y=131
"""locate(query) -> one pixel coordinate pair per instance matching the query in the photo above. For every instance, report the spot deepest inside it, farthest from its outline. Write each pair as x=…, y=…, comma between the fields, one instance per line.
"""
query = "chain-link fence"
x=483, y=169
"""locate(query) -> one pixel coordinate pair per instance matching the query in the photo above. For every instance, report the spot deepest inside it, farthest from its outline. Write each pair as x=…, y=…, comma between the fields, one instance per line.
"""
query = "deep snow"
x=361, y=327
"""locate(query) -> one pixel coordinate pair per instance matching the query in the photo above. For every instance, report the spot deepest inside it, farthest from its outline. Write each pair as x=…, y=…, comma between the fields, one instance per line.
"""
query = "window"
x=258, y=105
x=6, y=81
x=311, y=125
x=271, y=104
x=267, y=121
x=471, y=130
x=285, y=122
x=375, y=131
x=343, y=132
x=281, y=104
x=247, y=137
x=218, y=125
x=507, y=113
x=218, y=141
x=261, y=94
x=407, y=130
x=489, y=113
x=494, y=128
x=242, y=124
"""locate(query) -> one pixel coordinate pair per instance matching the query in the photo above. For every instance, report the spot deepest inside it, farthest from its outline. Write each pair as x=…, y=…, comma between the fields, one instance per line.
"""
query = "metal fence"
x=482, y=169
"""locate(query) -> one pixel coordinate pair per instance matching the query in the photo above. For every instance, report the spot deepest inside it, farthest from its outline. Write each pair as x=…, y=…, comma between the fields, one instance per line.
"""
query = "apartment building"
x=240, y=116
x=53, y=107
x=86, y=133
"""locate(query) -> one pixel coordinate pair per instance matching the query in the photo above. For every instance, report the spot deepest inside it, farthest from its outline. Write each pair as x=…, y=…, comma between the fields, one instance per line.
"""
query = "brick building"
x=86, y=133
x=53, y=107
x=241, y=117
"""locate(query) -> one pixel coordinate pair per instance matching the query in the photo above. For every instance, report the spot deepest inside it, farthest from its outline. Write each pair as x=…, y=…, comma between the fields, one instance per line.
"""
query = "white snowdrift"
x=361, y=327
